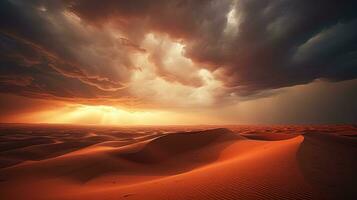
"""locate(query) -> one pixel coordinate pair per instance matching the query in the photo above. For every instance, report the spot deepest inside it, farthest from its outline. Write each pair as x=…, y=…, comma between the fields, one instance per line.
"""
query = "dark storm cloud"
x=31, y=71
x=178, y=18
x=272, y=44
x=250, y=45
x=43, y=45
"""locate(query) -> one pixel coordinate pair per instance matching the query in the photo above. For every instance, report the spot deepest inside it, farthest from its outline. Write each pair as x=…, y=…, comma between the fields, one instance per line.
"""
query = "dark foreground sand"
x=237, y=162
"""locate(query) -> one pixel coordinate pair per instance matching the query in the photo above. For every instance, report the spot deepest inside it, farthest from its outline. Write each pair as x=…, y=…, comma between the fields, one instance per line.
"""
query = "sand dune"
x=270, y=136
x=329, y=162
x=173, y=145
x=169, y=154
x=248, y=162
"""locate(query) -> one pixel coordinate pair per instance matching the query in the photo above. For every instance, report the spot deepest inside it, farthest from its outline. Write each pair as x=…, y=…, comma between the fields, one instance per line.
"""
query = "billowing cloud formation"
x=53, y=50
x=258, y=45
x=174, y=53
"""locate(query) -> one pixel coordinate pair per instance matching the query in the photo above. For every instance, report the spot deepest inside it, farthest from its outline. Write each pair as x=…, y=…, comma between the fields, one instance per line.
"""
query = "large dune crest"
x=176, y=144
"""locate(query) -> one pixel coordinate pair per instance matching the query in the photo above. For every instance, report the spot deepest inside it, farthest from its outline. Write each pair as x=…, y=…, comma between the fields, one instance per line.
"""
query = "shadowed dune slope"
x=329, y=162
x=173, y=145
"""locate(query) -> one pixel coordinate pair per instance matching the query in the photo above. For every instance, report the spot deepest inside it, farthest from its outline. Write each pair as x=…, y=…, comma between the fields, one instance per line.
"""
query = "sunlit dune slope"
x=209, y=164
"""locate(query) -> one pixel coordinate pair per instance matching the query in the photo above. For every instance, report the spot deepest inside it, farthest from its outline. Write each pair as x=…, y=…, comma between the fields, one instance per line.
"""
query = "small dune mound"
x=36, y=152
x=173, y=145
x=14, y=143
x=329, y=161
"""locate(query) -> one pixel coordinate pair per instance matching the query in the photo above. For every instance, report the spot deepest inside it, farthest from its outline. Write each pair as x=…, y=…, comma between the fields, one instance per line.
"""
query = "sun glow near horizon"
x=107, y=115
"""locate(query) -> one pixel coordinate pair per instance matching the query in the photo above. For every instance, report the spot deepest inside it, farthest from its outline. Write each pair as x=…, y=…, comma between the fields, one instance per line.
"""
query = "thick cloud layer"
x=210, y=49
x=257, y=44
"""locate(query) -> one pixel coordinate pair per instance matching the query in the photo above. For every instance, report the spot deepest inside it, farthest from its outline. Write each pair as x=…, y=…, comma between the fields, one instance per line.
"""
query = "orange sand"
x=245, y=163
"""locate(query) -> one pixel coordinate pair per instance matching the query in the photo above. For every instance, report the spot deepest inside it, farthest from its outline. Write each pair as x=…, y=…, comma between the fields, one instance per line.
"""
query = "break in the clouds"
x=173, y=53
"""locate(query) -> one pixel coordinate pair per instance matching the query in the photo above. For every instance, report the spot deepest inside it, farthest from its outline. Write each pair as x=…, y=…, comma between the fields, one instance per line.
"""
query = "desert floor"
x=177, y=162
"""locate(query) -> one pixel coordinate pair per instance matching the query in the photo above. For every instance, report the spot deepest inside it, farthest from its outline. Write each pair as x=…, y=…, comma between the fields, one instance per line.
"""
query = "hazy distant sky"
x=178, y=62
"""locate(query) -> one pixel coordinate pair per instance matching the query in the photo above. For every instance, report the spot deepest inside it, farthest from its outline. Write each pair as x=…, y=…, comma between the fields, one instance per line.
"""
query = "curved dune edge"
x=214, y=164
x=270, y=136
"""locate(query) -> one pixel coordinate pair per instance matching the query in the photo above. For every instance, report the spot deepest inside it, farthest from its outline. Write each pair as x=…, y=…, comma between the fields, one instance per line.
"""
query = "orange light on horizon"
x=107, y=115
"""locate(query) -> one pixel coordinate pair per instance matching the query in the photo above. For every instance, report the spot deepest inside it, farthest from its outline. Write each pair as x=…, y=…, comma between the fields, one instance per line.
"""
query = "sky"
x=146, y=62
